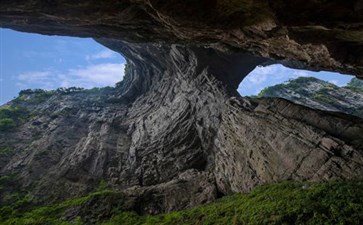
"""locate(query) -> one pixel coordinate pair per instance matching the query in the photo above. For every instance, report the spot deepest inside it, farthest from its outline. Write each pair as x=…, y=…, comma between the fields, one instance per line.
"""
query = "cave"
x=175, y=133
x=263, y=77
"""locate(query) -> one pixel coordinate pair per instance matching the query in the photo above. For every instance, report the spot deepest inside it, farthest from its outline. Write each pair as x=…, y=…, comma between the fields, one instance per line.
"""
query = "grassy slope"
x=334, y=202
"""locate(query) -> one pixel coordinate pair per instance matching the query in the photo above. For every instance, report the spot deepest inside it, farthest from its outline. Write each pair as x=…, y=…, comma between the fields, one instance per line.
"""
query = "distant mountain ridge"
x=321, y=94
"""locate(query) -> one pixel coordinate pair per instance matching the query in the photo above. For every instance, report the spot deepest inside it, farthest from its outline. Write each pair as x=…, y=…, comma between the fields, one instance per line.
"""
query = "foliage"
x=6, y=124
x=11, y=116
x=102, y=186
x=34, y=91
x=335, y=202
x=6, y=180
x=284, y=203
x=324, y=95
x=295, y=85
x=18, y=213
x=355, y=84
x=69, y=90
x=269, y=91
x=127, y=70
x=36, y=96
x=97, y=89
x=13, y=112
x=5, y=150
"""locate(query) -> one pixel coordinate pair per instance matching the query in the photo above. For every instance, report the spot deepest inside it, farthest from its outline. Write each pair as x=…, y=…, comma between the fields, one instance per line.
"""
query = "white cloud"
x=299, y=73
x=42, y=79
x=104, y=54
x=257, y=78
x=259, y=74
x=335, y=82
x=34, y=76
x=273, y=73
x=106, y=74
x=98, y=75
x=270, y=75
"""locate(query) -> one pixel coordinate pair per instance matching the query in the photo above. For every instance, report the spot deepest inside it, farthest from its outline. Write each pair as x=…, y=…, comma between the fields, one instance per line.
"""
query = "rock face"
x=269, y=140
x=174, y=132
x=320, y=94
x=177, y=137
x=320, y=35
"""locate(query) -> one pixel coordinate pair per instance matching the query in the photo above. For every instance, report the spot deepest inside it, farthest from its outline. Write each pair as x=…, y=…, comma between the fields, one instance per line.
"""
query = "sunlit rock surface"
x=320, y=94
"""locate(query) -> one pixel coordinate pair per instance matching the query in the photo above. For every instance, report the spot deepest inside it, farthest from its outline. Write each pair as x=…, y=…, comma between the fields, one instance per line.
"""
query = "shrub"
x=4, y=150
x=355, y=84
x=6, y=124
x=10, y=117
x=334, y=202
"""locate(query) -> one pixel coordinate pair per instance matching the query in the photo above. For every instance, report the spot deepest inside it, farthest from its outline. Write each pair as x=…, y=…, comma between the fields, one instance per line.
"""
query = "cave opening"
x=323, y=90
x=34, y=61
x=266, y=76
x=173, y=134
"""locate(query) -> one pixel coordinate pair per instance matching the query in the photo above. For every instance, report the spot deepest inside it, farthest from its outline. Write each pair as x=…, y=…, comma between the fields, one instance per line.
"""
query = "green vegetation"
x=102, y=186
x=6, y=179
x=127, y=70
x=335, y=202
x=355, y=84
x=11, y=116
x=295, y=85
x=5, y=150
x=326, y=94
x=18, y=213
x=269, y=91
x=323, y=96
x=36, y=96
x=97, y=89
x=10, y=196
x=39, y=92
x=6, y=124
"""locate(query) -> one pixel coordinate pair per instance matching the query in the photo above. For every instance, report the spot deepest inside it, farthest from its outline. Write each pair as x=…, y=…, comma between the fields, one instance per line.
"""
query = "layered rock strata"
x=174, y=133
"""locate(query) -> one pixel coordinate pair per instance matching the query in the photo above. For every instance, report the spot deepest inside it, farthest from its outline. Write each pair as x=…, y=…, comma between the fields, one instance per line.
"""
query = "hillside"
x=334, y=202
x=320, y=94
x=60, y=148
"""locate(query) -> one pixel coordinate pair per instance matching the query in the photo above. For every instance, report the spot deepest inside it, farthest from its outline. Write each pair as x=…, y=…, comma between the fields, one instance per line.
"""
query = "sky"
x=262, y=77
x=48, y=62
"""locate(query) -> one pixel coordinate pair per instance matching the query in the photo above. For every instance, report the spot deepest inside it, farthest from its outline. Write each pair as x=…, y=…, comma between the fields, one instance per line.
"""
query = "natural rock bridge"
x=175, y=133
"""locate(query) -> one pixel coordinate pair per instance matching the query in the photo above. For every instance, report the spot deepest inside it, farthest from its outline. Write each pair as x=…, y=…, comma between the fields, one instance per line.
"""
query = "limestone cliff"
x=175, y=133
x=320, y=94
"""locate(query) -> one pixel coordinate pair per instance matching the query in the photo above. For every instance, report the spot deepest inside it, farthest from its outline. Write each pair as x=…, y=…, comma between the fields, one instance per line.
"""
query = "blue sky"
x=48, y=62
x=262, y=77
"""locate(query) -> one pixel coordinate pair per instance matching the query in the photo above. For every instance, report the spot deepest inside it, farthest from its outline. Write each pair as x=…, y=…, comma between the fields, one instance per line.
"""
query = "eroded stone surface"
x=172, y=135
x=270, y=140
x=320, y=35
x=174, y=123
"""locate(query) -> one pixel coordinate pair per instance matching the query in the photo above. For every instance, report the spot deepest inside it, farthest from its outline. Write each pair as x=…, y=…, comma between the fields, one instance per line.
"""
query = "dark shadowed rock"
x=310, y=34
